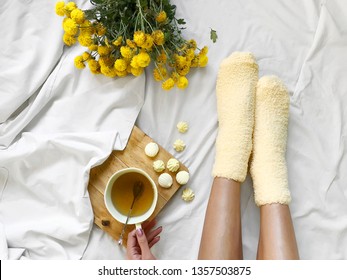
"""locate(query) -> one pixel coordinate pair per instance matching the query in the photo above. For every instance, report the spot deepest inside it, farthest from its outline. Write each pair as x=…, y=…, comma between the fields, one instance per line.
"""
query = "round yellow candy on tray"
x=158, y=166
x=173, y=165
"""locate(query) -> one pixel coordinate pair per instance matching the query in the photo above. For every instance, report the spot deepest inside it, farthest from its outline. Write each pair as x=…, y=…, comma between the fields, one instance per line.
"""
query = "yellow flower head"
x=190, y=54
x=175, y=76
x=87, y=28
x=156, y=75
x=118, y=41
x=108, y=71
x=135, y=62
x=60, y=8
x=136, y=71
x=182, y=82
x=106, y=61
x=203, y=60
x=168, y=84
x=86, y=56
x=70, y=26
x=129, y=68
x=120, y=65
x=131, y=44
x=70, y=6
x=86, y=23
x=161, y=17
x=104, y=50
x=94, y=66
x=100, y=29
x=158, y=37
x=139, y=38
x=79, y=62
x=159, y=73
x=121, y=73
x=93, y=47
x=195, y=61
x=77, y=15
x=162, y=57
x=204, y=50
x=180, y=61
x=126, y=52
x=69, y=40
x=184, y=70
x=192, y=44
x=143, y=59
x=64, y=20
x=148, y=42
x=85, y=39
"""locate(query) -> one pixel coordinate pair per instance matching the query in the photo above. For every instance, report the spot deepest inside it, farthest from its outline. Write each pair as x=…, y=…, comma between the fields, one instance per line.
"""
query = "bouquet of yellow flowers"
x=124, y=36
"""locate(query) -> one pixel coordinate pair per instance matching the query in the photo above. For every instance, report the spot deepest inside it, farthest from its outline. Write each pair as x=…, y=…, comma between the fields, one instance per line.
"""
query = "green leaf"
x=213, y=35
x=181, y=21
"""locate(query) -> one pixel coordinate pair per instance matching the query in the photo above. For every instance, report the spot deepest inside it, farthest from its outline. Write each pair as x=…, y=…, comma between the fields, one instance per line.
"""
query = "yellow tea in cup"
x=122, y=194
x=119, y=195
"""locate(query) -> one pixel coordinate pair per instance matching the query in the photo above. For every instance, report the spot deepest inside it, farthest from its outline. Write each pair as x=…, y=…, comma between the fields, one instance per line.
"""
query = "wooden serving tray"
x=132, y=156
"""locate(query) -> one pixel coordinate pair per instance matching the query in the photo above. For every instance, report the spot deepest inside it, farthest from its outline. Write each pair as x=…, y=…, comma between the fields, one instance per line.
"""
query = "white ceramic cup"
x=133, y=220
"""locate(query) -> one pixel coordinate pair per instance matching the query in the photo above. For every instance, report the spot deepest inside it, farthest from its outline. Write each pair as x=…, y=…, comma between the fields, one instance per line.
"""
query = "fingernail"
x=139, y=231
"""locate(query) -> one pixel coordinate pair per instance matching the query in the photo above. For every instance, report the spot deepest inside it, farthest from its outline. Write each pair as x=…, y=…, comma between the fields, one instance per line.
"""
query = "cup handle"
x=138, y=225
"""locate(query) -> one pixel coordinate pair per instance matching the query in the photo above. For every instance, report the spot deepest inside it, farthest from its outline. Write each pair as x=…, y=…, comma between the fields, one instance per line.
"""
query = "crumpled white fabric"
x=45, y=207
x=56, y=123
x=5, y=252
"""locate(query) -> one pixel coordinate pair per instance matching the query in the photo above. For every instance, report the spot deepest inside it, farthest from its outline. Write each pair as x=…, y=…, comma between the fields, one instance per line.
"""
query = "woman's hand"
x=141, y=240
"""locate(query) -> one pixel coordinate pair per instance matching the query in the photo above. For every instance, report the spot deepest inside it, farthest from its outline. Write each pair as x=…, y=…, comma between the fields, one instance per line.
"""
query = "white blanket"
x=72, y=120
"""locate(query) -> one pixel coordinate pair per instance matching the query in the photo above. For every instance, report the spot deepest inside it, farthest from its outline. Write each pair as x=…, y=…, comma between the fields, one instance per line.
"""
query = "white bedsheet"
x=72, y=122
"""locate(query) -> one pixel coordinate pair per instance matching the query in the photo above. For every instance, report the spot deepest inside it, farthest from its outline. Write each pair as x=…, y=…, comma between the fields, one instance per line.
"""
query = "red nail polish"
x=139, y=231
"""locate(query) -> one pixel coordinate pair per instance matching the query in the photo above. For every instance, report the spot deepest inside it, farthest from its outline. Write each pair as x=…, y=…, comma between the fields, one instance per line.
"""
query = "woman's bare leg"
x=269, y=170
x=221, y=235
x=235, y=92
x=277, y=237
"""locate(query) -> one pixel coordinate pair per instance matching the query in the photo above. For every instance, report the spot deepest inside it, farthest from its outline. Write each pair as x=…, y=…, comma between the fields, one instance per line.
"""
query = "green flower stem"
x=173, y=43
x=167, y=55
x=143, y=18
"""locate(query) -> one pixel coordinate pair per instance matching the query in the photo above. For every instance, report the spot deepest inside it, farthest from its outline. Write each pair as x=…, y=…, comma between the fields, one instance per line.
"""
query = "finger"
x=154, y=241
x=154, y=233
x=148, y=225
x=132, y=240
x=143, y=242
x=131, y=245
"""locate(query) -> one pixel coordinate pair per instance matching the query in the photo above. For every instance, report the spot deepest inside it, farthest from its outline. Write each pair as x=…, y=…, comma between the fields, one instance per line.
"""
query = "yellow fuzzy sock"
x=268, y=165
x=235, y=90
